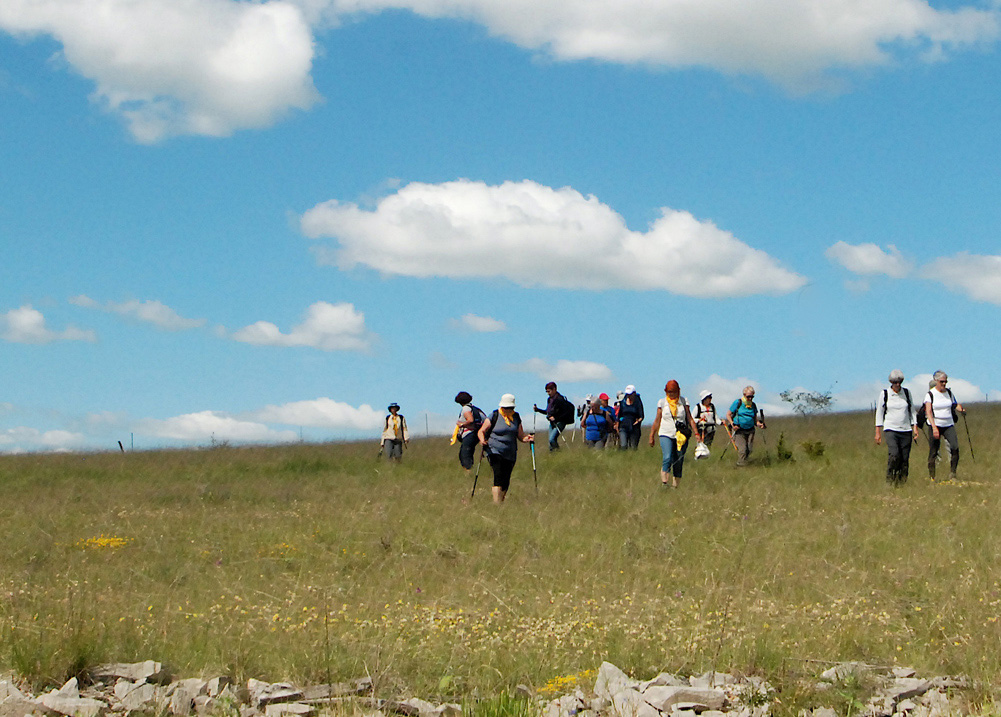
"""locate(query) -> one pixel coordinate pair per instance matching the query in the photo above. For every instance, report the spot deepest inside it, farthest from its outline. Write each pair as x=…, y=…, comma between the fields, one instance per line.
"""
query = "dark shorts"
x=502, y=472
x=467, y=449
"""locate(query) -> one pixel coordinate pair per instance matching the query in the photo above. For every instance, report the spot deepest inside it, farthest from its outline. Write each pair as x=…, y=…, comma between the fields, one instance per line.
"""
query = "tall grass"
x=319, y=562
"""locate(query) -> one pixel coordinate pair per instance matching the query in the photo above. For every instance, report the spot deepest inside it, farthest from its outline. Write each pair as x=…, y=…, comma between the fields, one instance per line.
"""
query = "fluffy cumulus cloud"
x=328, y=327
x=479, y=324
x=172, y=67
x=869, y=259
x=564, y=370
x=206, y=426
x=27, y=325
x=978, y=277
x=534, y=235
x=321, y=413
x=793, y=42
x=149, y=311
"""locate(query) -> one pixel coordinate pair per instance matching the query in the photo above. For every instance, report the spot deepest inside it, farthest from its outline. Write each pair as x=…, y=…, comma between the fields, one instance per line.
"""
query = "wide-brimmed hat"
x=704, y=395
x=507, y=401
x=630, y=389
x=391, y=406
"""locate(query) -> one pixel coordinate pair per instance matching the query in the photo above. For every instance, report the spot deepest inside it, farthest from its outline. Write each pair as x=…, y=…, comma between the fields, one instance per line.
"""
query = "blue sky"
x=251, y=222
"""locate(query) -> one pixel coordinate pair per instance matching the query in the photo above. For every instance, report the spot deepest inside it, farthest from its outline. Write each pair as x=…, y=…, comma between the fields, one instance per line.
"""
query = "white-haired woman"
x=897, y=423
x=941, y=410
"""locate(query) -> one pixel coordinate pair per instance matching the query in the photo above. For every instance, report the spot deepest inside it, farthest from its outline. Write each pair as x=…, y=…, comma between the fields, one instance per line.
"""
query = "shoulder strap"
x=886, y=397
x=951, y=397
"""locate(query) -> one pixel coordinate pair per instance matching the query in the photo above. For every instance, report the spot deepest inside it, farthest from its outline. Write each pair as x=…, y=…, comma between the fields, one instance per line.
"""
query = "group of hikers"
x=899, y=420
x=676, y=422
x=603, y=424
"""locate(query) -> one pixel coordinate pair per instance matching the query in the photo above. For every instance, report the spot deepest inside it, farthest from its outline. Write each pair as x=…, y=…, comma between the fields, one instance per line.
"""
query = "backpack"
x=910, y=409
x=563, y=410
x=479, y=416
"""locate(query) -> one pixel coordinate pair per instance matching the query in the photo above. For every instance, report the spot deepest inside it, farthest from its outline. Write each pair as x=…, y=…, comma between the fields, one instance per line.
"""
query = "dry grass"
x=318, y=562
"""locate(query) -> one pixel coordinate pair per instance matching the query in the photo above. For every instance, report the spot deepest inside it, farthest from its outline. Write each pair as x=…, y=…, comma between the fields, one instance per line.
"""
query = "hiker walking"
x=706, y=418
x=394, y=433
x=941, y=412
x=743, y=417
x=499, y=435
x=613, y=430
x=630, y=417
x=467, y=426
x=673, y=425
x=897, y=423
x=596, y=425
x=560, y=413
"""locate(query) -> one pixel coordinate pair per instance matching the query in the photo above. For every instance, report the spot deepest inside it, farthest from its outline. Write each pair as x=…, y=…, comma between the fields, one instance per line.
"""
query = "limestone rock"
x=904, y=687
x=612, y=680
x=630, y=703
x=148, y=671
x=664, y=679
x=711, y=680
x=663, y=698
x=72, y=706
x=289, y=709
x=9, y=690
x=839, y=673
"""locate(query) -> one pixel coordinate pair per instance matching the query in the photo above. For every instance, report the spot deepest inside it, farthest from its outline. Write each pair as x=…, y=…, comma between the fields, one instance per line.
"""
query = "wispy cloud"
x=479, y=324
x=26, y=325
x=870, y=259
x=148, y=311
x=563, y=370
x=328, y=327
x=976, y=276
x=534, y=235
x=795, y=43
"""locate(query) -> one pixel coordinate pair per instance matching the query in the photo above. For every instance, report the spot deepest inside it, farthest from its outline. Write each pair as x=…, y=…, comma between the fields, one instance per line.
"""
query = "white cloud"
x=976, y=276
x=563, y=370
x=793, y=42
x=174, y=67
x=479, y=324
x=538, y=236
x=328, y=327
x=27, y=326
x=17, y=439
x=150, y=311
x=211, y=425
x=321, y=413
x=870, y=259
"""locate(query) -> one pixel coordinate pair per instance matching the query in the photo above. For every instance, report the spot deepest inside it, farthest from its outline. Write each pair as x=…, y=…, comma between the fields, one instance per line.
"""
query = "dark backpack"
x=563, y=410
x=479, y=416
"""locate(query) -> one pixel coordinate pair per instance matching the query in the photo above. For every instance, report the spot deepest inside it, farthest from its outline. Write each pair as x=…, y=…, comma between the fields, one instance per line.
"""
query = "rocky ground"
x=149, y=688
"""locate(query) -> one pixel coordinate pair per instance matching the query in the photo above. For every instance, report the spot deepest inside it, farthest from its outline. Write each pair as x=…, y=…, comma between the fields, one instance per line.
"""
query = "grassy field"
x=319, y=562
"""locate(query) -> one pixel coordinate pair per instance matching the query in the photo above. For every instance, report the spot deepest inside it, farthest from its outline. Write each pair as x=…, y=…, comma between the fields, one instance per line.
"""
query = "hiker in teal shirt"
x=743, y=416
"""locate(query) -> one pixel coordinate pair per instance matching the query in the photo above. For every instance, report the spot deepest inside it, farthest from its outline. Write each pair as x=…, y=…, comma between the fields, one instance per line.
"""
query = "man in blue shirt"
x=743, y=417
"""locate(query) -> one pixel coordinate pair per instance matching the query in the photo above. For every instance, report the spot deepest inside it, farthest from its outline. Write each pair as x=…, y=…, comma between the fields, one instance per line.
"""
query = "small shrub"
x=813, y=449
x=782, y=451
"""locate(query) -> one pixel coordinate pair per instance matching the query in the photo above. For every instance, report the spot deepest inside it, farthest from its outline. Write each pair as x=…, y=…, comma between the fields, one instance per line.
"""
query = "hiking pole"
x=535, y=475
x=963, y=414
x=763, y=427
x=731, y=443
x=476, y=475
